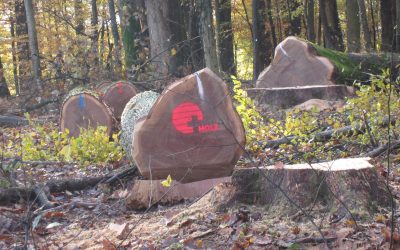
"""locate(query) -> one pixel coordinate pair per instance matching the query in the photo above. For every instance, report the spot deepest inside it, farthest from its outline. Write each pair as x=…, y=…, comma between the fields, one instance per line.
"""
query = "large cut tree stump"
x=116, y=95
x=300, y=63
x=83, y=108
x=342, y=186
x=191, y=133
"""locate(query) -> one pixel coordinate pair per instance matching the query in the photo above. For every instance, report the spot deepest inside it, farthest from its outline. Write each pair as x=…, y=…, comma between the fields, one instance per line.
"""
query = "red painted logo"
x=188, y=118
x=119, y=88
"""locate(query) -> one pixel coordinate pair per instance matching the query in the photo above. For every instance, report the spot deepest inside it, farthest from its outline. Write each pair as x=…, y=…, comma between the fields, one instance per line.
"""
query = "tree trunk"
x=262, y=41
x=311, y=64
x=364, y=24
x=398, y=25
x=79, y=20
x=225, y=36
x=14, y=57
x=294, y=19
x=193, y=27
x=4, y=91
x=271, y=23
x=387, y=24
x=330, y=22
x=165, y=35
x=33, y=43
x=130, y=24
x=309, y=13
x=353, y=26
x=371, y=10
x=22, y=45
x=114, y=29
x=95, y=35
x=208, y=35
x=343, y=186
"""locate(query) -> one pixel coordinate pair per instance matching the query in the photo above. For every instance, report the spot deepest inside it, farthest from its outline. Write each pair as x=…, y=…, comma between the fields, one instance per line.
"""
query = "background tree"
x=364, y=24
x=353, y=26
x=330, y=24
x=310, y=22
x=387, y=21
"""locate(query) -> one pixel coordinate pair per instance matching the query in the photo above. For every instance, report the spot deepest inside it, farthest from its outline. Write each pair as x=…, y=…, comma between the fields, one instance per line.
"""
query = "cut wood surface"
x=192, y=132
x=342, y=185
x=116, y=95
x=84, y=109
x=300, y=63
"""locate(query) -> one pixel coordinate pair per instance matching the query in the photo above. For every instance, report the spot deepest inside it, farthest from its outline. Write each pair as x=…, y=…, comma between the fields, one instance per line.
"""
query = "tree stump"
x=301, y=63
x=192, y=132
x=344, y=185
x=82, y=108
x=137, y=107
x=116, y=95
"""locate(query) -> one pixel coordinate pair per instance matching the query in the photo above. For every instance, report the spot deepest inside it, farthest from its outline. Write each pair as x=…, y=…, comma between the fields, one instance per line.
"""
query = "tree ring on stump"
x=83, y=109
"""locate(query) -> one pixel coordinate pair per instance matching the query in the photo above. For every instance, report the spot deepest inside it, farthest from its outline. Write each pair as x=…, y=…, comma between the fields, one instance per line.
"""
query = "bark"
x=294, y=20
x=130, y=24
x=14, y=57
x=95, y=36
x=115, y=32
x=330, y=22
x=271, y=23
x=309, y=13
x=4, y=91
x=208, y=35
x=371, y=10
x=387, y=24
x=192, y=20
x=353, y=26
x=33, y=42
x=345, y=187
x=79, y=20
x=166, y=34
x=397, y=25
x=262, y=40
x=225, y=36
x=364, y=24
x=22, y=44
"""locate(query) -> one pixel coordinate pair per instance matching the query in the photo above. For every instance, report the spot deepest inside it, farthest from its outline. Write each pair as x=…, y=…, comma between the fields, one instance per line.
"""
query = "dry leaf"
x=279, y=165
x=108, y=245
x=296, y=230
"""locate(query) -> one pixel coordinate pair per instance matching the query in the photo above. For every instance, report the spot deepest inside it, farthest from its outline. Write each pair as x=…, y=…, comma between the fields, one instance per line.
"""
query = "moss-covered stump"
x=341, y=186
x=193, y=132
x=301, y=63
x=82, y=108
x=116, y=95
x=138, y=107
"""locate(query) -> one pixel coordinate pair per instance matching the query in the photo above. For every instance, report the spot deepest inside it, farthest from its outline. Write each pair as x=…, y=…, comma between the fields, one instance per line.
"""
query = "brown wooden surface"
x=169, y=142
x=116, y=95
x=93, y=113
x=296, y=64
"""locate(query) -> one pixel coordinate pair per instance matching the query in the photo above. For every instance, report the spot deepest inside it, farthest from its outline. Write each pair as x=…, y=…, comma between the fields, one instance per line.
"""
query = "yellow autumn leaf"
x=167, y=182
x=173, y=51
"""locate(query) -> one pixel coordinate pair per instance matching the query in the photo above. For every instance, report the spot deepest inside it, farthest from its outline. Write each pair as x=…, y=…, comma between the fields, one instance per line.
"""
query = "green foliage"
x=46, y=143
x=371, y=108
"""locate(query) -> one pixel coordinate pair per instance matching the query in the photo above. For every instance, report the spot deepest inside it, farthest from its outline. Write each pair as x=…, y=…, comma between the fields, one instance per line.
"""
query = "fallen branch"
x=382, y=149
x=16, y=121
x=314, y=240
x=41, y=104
x=323, y=136
x=38, y=192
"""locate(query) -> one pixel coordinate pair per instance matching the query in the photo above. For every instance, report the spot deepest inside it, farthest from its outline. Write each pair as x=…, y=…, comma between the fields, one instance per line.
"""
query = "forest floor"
x=98, y=218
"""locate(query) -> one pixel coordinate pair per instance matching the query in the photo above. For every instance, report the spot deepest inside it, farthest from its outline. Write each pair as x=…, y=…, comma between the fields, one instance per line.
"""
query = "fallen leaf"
x=279, y=165
x=53, y=225
x=54, y=215
x=108, y=245
x=296, y=230
x=119, y=229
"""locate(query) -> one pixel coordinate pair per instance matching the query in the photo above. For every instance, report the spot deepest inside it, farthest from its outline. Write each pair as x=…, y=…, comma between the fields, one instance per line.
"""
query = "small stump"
x=83, y=109
x=116, y=95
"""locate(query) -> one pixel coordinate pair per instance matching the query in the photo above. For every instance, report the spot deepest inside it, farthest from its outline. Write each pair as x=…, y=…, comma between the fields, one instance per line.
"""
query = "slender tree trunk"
x=261, y=41
x=95, y=35
x=279, y=20
x=14, y=57
x=330, y=22
x=294, y=20
x=193, y=30
x=271, y=23
x=22, y=44
x=353, y=26
x=319, y=34
x=309, y=13
x=225, y=36
x=114, y=30
x=387, y=24
x=364, y=24
x=398, y=25
x=79, y=20
x=371, y=10
x=4, y=91
x=208, y=36
x=33, y=43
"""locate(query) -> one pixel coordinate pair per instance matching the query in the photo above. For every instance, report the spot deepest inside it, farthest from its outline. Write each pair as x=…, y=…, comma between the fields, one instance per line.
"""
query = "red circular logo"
x=185, y=116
